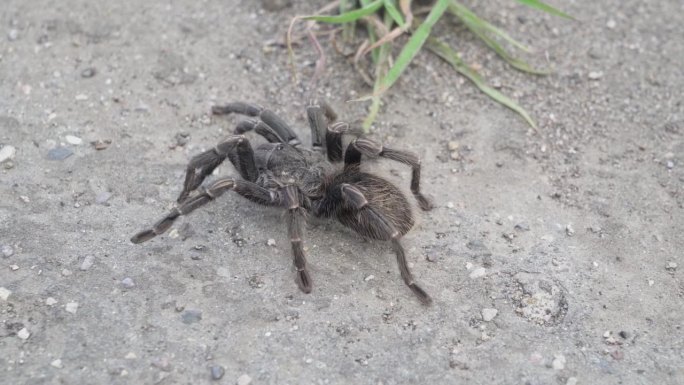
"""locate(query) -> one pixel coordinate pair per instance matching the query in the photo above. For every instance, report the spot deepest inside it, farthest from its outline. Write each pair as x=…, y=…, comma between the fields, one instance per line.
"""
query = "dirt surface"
x=553, y=257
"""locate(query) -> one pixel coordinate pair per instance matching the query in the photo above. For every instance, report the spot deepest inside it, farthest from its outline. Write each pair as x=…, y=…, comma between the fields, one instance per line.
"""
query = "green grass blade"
x=468, y=16
x=546, y=8
x=381, y=68
x=393, y=11
x=450, y=56
x=501, y=51
x=347, y=17
x=349, y=28
x=372, y=37
x=414, y=45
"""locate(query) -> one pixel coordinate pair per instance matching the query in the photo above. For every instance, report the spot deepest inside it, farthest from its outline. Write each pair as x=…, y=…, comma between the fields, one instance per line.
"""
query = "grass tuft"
x=387, y=20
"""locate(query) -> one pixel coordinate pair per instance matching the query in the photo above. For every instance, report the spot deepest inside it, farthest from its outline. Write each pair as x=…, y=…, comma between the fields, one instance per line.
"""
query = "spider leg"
x=269, y=118
x=261, y=128
x=295, y=215
x=373, y=149
x=247, y=189
x=236, y=148
x=370, y=220
x=319, y=114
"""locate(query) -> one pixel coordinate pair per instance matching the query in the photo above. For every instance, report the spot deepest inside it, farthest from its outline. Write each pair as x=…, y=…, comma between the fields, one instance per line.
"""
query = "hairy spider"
x=302, y=181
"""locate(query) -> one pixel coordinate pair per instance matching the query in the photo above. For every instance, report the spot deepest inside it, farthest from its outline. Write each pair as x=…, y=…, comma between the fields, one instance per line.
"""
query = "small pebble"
x=101, y=144
x=672, y=266
x=191, y=316
x=611, y=24
x=57, y=363
x=128, y=283
x=370, y=277
x=5, y=293
x=14, y=267
x=669, y=164
x=595, y=75
x=23, y=334
x=271, y=242
x=75, y=140
x=182, y=138
x=522, y=227
x=71, y=307
x=25, y=199
x=7, y=251
x=569, y=230
x=81, y=97
x=162, y=363
x=453, y=145
x=50, y=301
x=489, y=314
x=450, y=205
x=7, y=152
x=624, y=335
x=571, y=381
x=478, y=273
x=217, y=372
x=59, y=153
x=87, y=262
x=131, y=356
x=558, y=362
x=66, y=272
x=244, y=379
x=651, y=282
x=13, y=34
x=103, y=197
x=88, y=72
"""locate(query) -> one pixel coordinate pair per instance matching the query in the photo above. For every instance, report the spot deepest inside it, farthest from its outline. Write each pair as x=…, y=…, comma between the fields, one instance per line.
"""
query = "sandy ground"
x=553, y=257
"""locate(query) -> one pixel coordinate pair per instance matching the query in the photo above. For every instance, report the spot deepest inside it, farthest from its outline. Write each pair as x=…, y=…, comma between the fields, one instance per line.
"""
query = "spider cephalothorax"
x=325, y=181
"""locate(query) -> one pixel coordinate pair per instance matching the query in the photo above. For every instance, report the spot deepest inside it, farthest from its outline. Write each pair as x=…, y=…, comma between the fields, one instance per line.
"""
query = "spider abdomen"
x=386, y=213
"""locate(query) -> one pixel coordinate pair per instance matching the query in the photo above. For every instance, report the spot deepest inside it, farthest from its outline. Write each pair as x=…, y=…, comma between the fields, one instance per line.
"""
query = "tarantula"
x=302, y=181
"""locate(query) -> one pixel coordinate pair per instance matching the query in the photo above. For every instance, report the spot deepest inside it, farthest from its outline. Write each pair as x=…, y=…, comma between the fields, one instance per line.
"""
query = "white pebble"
x=651, y=282
x=81, y=97
x=478, y=273
x=271, y=242
x=5, y=293
x=558, y=362
x=7, y=153
x=671, y=266
x=173, y=234
x=244, y=380
x=75, y=140
x=23, y=334
x=450, y=205
x=611, y=23
x=571, y=381
x=488, y=314
x=71, y=307
x=87, y=262
x=66, y=272
x=128, y=283
x=569, y=230
x=14, y=267
x=595, y=75
x=369, y=278
x=50, y=301
x=57, y=363
x=131, y=356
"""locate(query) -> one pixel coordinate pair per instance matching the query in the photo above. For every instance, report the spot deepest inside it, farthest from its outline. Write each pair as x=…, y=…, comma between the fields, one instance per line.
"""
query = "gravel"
x=5, y=293
x=128, y=283
x=23, y=334
x=488, y=314
x=244, y=380
x=59, y=153
x=71, y=307
x=7, y=152
x=87, y=262
x=7, y=251
x=217, y=372
x=191, y=316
